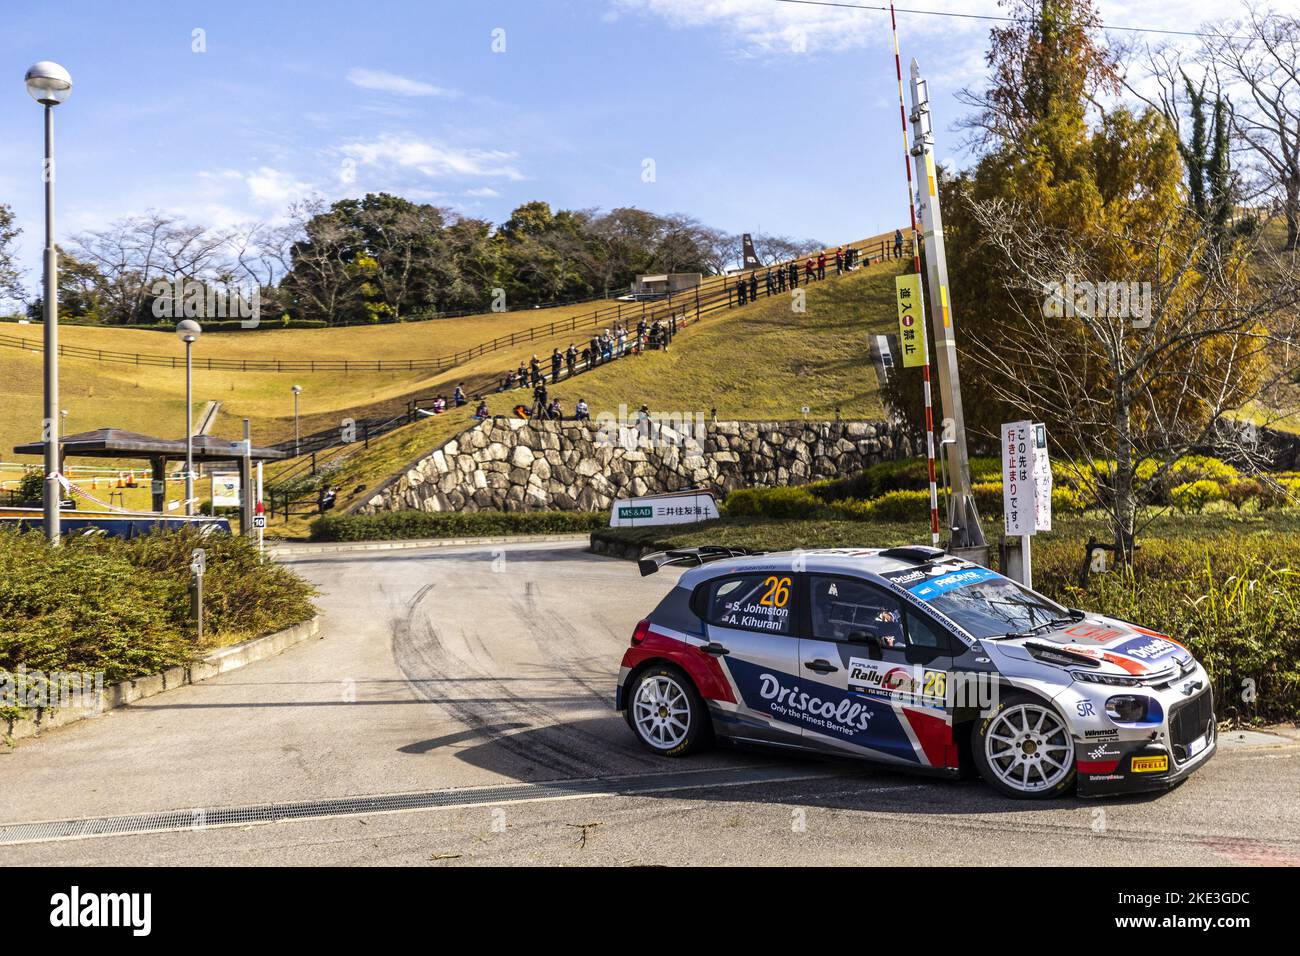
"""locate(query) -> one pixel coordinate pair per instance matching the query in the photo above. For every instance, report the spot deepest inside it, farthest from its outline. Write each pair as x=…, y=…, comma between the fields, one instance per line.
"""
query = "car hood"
x=1104, y=645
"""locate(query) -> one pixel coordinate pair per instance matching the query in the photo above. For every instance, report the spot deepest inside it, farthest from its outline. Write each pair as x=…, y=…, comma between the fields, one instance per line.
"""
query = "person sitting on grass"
x=580, y=412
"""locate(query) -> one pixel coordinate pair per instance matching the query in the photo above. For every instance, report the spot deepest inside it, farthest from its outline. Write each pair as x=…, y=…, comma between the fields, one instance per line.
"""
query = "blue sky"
x=758, y=115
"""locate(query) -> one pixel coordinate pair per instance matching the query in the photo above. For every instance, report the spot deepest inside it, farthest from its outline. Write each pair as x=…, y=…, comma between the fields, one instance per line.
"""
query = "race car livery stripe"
x=1096, y=766
x=934, y=734
x=703, y=669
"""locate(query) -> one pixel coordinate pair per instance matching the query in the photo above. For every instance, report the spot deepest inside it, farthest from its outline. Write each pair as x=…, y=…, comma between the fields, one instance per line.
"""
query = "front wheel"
x=667, y=713
x=1024, y=749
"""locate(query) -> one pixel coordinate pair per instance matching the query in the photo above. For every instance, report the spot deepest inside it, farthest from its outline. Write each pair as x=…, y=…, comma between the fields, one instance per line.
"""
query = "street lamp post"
x=297, y=390
x=188, y=331
x=50, y=84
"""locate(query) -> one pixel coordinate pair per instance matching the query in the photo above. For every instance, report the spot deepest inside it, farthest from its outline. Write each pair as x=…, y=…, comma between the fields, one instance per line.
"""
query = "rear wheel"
x=666, y=712
x=1024, y=749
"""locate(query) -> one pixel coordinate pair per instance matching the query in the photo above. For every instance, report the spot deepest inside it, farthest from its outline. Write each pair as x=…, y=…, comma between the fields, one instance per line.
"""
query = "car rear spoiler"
x=693, y=557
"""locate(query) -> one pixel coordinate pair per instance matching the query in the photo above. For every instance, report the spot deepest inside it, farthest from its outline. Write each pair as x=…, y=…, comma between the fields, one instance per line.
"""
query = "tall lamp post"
x=297, y=390
x=188, y=331
x=50, y=84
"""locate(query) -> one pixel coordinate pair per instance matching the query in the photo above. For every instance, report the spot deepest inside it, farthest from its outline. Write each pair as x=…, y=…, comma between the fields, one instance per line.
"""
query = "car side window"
x=752, y=602
x=921, y=633
x=843, y=607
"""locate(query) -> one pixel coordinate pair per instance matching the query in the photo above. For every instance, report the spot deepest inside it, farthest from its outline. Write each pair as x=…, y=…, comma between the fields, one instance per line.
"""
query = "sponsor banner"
x=801, y=704
x=903, y=683
x=931, y=589
x=683, y=507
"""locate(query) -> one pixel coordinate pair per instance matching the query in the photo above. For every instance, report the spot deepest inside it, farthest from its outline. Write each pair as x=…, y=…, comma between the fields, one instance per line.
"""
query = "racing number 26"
x=777, y=593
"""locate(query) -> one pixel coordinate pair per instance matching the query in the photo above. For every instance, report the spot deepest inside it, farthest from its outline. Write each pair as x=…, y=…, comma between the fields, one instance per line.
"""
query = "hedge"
x=122, y=607
x=387, y=525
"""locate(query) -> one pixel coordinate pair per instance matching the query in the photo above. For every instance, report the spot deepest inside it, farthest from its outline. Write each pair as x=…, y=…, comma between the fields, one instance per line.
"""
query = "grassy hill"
x=760, y=362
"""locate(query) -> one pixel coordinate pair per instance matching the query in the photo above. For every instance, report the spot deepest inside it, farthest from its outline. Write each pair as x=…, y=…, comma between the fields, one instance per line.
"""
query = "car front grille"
x=1188, y=721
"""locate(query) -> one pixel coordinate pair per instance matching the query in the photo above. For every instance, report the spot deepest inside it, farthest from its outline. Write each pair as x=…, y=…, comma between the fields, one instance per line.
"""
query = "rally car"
x=916, y=658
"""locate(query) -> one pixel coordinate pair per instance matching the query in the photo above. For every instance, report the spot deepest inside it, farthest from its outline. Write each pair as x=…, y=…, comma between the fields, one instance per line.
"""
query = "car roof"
x=863, y=562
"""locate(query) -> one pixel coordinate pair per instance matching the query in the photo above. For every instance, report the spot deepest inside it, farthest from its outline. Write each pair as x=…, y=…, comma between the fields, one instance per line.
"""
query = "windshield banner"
x=930, y=589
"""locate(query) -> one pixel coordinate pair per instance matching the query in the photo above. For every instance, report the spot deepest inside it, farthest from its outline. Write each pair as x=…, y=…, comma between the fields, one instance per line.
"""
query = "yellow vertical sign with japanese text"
x=911, y=320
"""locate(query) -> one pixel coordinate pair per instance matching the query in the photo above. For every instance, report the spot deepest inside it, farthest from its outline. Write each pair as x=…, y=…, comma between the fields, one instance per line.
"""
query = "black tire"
x=1035, y=754
x=680, y=704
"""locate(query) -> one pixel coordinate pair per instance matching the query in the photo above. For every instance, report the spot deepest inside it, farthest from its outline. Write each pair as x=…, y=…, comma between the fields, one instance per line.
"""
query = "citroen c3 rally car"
x=916, y=658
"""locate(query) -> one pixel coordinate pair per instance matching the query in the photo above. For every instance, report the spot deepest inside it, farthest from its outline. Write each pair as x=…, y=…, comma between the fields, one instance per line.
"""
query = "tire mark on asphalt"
x=421, y=654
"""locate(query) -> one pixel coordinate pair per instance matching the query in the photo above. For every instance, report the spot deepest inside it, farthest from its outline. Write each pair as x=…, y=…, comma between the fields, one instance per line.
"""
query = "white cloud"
x=775, y=28
x=393, y=83
x=434, y=159
x=484, y=192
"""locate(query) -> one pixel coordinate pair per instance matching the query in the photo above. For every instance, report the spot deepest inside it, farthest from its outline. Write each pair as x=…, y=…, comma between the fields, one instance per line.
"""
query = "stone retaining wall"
x=516, y=465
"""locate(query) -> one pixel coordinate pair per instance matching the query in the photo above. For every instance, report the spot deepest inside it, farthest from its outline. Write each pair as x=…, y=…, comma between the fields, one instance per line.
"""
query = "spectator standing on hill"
x=839, y=260
x=586, y=357
x=821, y=265
x=541, y=398
x=780, y=279
x=595, y=352
x=769, y=285
x=753, y=287
x=898, y=243
x=535, y=367
x=809, y=271
x=458, y=396
x=556, y=361
x=580, y=413
x=622, y=341
x=640, y=336
x=740, y=291
x=794, y=275
x=571, y=358
x=523, y=375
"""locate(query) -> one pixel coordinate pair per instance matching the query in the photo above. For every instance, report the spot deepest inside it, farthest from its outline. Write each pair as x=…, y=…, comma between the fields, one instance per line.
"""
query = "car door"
x=750, y=630
x=878, y=671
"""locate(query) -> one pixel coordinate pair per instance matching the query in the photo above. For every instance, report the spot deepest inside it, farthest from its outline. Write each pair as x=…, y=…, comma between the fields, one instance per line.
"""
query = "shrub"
x=122, y=607
x=782, y=502
x=901, y=506
x=389, y=525
x=1191, y=468
x=1193, y=496
x=1243, y=491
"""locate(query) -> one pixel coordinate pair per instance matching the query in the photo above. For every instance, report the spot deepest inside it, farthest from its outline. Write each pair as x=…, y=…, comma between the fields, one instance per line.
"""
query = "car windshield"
x=989, y=605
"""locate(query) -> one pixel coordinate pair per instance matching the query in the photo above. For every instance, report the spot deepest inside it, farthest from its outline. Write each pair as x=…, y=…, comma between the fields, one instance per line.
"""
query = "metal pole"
x=53, y=488
x=189, y=431
x=916, y=267
x=295, y=424
x=963, y=518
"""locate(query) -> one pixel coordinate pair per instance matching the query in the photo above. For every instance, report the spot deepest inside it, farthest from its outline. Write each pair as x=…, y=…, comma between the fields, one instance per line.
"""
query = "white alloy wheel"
x=1029, y=748
x=661, y=712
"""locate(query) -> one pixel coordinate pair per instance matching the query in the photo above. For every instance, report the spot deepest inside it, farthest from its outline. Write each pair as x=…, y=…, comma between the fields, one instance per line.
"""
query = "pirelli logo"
x=1150, y=764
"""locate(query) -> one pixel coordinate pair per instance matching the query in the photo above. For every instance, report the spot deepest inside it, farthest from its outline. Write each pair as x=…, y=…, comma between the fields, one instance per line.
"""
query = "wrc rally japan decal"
x=859, y=720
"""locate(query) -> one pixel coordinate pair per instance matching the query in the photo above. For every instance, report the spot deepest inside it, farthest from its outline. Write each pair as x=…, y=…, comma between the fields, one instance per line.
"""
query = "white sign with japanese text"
x=682, y=507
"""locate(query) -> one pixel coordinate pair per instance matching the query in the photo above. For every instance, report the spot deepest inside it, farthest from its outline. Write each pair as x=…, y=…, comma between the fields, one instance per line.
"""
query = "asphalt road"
x=469, y=690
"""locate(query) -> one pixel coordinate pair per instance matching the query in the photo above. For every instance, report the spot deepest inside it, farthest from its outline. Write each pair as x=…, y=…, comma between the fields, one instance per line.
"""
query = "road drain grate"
x=204, y=818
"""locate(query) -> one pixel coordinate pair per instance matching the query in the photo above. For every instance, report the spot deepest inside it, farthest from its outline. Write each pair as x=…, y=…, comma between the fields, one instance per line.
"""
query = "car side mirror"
x=873, y=643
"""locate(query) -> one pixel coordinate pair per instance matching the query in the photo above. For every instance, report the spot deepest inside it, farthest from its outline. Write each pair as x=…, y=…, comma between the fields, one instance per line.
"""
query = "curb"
x=293, y=550
x=127, y=692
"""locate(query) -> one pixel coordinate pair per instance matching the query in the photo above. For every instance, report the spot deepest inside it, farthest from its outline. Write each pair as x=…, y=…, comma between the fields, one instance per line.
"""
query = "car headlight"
x=1133, y=709
x=1110, y=679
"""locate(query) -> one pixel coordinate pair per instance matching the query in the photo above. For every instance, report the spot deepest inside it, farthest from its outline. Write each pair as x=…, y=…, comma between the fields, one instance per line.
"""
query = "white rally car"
x=916, y=658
